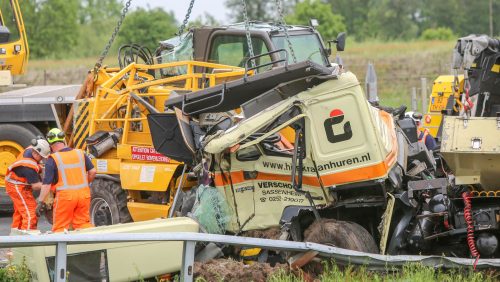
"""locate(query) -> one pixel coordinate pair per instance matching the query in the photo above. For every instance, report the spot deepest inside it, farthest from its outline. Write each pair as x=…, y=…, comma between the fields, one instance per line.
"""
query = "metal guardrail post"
x=188, y=261
x=414, y=105
x=423, y=93
x=60, y=273
x=371, y=84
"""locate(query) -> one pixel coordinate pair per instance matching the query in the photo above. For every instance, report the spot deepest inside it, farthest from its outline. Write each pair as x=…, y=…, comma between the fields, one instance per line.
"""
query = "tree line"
x=384, y=19
x=81, y=28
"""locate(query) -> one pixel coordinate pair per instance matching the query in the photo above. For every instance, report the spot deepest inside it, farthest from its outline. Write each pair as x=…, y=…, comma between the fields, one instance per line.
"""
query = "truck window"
x=9, y=20
x=232, y=50
x=305, y=47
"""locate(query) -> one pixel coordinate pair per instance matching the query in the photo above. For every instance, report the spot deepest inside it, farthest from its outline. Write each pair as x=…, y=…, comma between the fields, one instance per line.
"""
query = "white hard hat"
x=41, y=146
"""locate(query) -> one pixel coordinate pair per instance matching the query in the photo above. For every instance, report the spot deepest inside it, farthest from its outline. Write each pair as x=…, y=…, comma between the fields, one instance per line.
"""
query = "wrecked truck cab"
x=348, y=172
x=346, y=141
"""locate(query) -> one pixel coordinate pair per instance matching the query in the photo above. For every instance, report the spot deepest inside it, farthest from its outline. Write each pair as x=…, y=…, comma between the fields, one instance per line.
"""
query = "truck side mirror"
x=340, y=41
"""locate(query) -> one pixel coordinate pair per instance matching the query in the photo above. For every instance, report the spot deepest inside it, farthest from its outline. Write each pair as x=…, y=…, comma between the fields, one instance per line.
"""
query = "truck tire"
x=108, y=205
x=342, y=234
x=14, y=137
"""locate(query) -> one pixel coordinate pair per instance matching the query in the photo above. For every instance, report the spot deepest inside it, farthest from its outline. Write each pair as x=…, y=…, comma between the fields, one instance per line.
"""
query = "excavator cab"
x=14, y=50
x=272, y=45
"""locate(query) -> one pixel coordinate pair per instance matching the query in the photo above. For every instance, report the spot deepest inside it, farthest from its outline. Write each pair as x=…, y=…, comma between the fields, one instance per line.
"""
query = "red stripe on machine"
x=147, y=154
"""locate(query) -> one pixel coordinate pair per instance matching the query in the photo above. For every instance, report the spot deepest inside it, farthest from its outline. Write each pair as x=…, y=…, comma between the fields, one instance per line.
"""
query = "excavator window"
x=305, y=46
x=176, y=49
x=233, y=50
x=8, y=20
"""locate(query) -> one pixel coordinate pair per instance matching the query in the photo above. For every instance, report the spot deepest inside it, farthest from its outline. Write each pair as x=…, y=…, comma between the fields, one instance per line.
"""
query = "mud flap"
x=385, y=224
x=172, y=136
x=404, y=212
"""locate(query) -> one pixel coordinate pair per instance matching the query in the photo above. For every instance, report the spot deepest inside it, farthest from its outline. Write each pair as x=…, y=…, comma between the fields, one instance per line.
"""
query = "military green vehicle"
x=351, y=174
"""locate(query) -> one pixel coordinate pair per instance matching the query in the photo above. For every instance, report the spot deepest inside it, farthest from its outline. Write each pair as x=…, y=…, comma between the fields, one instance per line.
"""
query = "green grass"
x=15, y=273
x=399, y=65
x=332, y=273
x=376, y=49
x=410, y=272
x=53, y=64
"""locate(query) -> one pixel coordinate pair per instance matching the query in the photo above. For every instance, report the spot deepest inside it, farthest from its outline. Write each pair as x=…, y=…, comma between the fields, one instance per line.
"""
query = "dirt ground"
x=270, y=233
x=231, y=270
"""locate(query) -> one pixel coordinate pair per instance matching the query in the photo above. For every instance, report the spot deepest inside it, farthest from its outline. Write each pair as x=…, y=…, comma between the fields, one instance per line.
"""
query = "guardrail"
x=341, y=256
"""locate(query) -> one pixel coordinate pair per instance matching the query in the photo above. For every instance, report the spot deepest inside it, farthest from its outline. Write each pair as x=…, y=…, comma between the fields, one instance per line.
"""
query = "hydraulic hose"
x=470, y=227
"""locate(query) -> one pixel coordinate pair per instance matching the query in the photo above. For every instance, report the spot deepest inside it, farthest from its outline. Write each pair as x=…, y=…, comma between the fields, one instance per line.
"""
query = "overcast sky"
x=215, y=8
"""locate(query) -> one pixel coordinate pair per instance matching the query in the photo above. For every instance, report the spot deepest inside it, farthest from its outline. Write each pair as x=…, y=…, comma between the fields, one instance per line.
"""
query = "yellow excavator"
x=14, y=51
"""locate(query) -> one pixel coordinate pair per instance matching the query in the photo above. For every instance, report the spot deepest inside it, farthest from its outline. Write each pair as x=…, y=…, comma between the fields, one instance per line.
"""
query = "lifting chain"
x=186, y=18
x=282, y=22
x=98, y=64
x=247, y=32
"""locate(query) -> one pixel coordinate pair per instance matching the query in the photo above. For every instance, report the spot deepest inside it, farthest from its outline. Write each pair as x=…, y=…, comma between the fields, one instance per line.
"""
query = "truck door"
x=258, y=175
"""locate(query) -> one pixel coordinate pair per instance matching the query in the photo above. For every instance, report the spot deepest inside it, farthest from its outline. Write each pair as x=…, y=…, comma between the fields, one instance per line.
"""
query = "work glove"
x=40, y=207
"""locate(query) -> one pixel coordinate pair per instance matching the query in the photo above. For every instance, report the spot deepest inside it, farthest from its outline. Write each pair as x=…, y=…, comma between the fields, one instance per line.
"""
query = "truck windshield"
x=305, y=47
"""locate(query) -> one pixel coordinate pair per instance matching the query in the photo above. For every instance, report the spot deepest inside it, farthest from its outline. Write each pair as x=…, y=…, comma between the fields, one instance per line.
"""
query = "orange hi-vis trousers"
x=71, y=209
x=24, y=216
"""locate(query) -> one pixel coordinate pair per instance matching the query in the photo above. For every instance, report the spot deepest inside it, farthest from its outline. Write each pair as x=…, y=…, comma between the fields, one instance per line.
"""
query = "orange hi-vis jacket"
x=72, y=202
x=24, y=216
x=71, y=170
x=11, y=177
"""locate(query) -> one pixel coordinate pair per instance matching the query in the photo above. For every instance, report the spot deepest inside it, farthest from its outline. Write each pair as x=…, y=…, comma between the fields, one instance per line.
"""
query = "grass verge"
x=15, y=273
x=414, y=272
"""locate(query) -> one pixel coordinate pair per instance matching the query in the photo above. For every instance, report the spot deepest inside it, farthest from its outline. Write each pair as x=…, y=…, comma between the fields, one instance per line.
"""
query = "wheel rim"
x=100, y=213
x=9, y=150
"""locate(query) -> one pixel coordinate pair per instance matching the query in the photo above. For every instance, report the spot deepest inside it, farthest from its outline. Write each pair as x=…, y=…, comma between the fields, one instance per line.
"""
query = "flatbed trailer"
x=24, y=114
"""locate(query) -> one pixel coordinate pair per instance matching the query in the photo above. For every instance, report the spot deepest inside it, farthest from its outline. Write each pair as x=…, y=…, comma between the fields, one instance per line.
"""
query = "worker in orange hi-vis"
x=21, y=179
x=69, y=171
